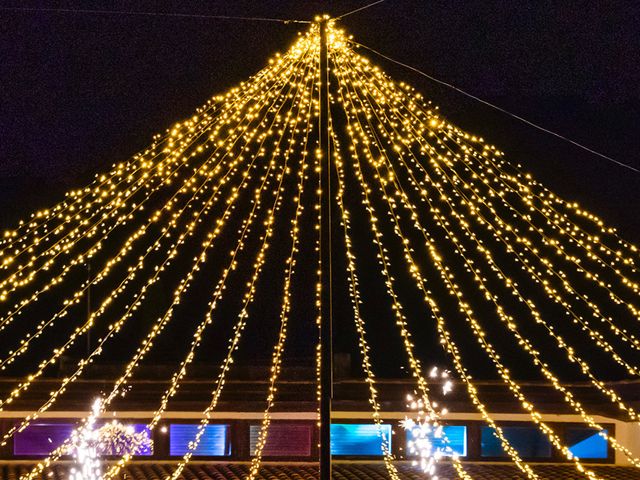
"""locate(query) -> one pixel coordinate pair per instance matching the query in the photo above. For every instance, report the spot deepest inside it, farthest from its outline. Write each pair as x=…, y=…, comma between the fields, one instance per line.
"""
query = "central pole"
x=326, y=309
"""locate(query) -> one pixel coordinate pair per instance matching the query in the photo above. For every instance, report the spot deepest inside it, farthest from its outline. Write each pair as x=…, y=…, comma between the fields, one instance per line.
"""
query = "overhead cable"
x=500, y=109
x=154, y=14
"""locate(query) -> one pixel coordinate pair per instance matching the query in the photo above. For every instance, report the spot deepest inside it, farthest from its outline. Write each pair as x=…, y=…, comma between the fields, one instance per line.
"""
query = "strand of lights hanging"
x=468, y=223
x=383, y=261
x=188, y=185
x=77, y=296
x=449, y=281
x=285, y=309
x=140, y=296
x=356, y=301
x=368, y=113
x=247, y=300
x=510, y=322
x=283, y=123
x=527, y=347
x=572, y=356
x=506, y=228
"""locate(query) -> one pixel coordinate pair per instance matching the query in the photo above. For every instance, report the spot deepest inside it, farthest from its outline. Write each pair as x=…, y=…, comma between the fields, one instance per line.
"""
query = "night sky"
x=79, y=92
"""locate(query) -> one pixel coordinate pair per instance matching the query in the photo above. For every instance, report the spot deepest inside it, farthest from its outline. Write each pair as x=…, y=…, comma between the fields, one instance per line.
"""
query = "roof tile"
x=341, y=471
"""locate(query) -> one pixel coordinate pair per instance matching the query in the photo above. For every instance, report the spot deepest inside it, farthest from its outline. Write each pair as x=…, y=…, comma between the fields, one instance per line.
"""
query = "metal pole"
x=88, y=305
x=326, y=313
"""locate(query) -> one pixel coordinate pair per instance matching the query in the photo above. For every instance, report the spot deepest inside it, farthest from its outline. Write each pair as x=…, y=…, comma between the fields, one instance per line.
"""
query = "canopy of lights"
x=489, y=252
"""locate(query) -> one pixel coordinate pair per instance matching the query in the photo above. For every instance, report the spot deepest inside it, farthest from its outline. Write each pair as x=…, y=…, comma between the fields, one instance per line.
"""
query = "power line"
x=500, y=109
x=359, y=9
x=153, y=14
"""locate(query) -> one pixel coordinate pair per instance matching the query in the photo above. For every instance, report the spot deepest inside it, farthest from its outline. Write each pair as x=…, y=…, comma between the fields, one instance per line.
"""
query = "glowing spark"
x=85, y=448
x=425, y=432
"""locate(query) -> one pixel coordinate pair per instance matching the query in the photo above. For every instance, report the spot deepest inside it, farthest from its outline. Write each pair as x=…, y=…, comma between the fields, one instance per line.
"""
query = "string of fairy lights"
x=273, y=122
x=356, y=301
x=77, y=296
x=502, y=248
x=453, y=286
x=510, y=323
x=383, y=260
x=527, y=302
x=131, y=309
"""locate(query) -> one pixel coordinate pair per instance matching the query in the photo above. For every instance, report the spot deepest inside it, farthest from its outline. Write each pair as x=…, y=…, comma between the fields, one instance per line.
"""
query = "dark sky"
x=79, y=92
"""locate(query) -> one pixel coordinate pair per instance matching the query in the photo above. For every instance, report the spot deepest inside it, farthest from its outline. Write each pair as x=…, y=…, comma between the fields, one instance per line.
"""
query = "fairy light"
x=64, y=245
x=238, y=116
x=556, y=247
x=445, y=338
x=217, y=295
x=511, y=324
x=318, y=289
x=31, y=227
x=130, y=168
x=525, y=187
x=504, y=372
x=449, y=281
x=248, y=298
x=140, y=296
x=242, y=319
x=215, y=155
x=557, y=222
x=524, y=182
x=489, y=163
x=282, y=335
x=397, y=308
x=596, y=336
x=77, y=296
x=160, y=323
x=123, y=219
x=571, y=355
x=356, y=301
x=286, y=305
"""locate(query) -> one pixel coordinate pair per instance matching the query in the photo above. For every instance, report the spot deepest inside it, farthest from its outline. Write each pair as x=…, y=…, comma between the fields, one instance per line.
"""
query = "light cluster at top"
x=487, y=248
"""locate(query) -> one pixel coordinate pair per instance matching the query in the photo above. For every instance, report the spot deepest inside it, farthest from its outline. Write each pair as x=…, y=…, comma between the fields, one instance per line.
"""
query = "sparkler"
x=428, y=441
x=85, y=441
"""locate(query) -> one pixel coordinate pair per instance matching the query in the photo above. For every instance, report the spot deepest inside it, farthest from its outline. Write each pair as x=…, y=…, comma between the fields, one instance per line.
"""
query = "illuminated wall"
x=358, y=439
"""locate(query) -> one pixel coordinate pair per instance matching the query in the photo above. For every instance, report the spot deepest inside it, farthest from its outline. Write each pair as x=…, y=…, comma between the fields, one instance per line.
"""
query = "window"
x=586, y=442
x=283, y=440
x=455, y=435
x=528, y=441
x=117, y=439
x=359, y=439
x=213, y=442
x=40, y=439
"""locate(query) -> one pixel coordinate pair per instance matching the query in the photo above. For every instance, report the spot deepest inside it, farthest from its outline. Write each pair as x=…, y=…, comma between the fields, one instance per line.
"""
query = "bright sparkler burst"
x=490, y=251
x=429, y=443
x=85, y=447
